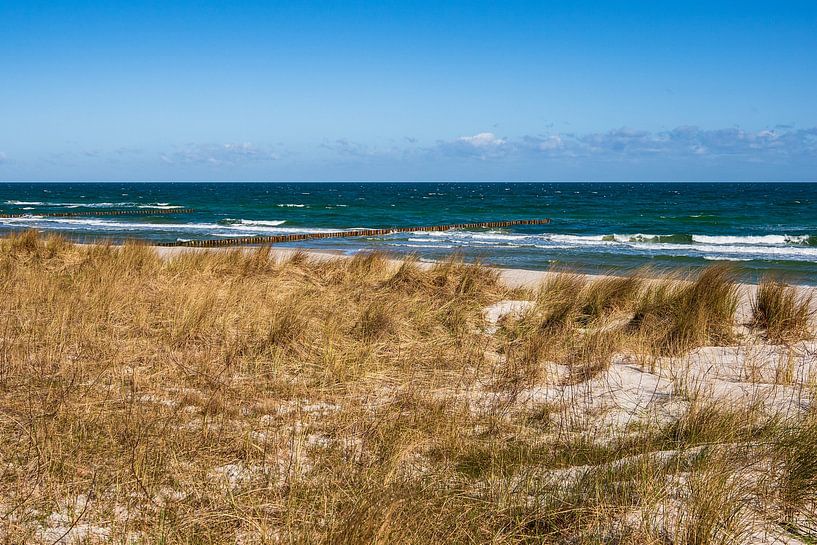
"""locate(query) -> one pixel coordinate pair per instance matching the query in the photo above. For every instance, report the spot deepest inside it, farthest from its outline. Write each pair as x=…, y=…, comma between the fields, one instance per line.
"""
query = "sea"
x=761, y=228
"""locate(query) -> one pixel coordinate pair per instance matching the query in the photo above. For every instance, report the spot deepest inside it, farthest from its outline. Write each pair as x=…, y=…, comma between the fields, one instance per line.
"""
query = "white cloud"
x=483, y=146
x=219, y=154
x=685, y=141
x=482, y=140
x=685, y=152
x=715, y=151
x=550, y=142
x=343, y=146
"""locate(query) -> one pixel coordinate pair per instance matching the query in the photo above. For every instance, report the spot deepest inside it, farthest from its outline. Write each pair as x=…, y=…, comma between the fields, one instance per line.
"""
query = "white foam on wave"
x=725, y=258
x=605, y=239
x=731, y=240
x=101, y=224
x=554, y=246
x=112, y=225
x=733, y=248
x=469, y=235
x=272, y=223
x=250, y=230
x=289, y=205
x=579, y=239
x=499, y=237
x=762, y=239
x=434, y=246
x=128, y=204
x=722, y=250
x=759, y=252
x=758, y=240
x=260, y=223
x=93, y=204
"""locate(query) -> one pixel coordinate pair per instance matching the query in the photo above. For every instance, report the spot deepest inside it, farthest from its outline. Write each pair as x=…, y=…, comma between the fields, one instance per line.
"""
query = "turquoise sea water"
x=597, y=227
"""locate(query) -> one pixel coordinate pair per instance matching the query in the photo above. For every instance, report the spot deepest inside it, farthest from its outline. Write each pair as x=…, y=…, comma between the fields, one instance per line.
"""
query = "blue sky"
x=429, y=90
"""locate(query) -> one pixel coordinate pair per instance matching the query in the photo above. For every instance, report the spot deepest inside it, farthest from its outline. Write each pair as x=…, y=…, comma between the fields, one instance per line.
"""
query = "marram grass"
x=233, y=397
x=778, y=310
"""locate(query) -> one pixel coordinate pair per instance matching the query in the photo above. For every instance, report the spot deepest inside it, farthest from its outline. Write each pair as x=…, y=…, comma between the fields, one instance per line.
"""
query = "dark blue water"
x=596, y=226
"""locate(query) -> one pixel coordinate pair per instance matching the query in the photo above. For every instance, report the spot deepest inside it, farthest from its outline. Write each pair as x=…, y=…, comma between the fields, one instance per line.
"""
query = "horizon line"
x=78, y=181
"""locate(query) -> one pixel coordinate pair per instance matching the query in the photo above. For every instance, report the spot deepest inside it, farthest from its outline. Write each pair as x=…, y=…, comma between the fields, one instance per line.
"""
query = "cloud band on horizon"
x=781, y=153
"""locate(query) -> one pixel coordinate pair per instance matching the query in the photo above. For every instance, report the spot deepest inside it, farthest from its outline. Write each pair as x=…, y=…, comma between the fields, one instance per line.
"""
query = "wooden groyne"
x=278, y=239
x=140, y=212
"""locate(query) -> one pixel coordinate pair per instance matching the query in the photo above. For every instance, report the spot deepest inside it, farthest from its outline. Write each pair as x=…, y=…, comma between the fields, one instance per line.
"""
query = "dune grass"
x=235, y=397
x=778, y=310
x=679, y=315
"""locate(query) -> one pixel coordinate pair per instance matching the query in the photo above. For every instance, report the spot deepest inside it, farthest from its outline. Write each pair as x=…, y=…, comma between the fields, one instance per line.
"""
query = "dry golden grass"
x=677, y=316
x=780, y=312
x=229, y=397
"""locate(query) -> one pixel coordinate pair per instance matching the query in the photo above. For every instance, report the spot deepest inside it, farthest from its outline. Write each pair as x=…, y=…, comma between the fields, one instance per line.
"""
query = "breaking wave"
x=710, y=247
x=156, y=205
x=262, y=223
x=224, y=228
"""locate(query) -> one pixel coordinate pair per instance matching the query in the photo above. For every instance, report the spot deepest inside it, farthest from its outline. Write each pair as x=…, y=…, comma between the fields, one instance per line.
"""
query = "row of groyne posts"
x=278, y=239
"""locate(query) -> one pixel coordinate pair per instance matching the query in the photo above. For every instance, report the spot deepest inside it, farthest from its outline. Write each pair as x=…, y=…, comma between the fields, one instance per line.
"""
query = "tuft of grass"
x=558, y=302
x=795, y=455
x=610, y=294
x=780, y=312
x=717, y=506
x=408, y=276
x=675, y=316
x=25, y=242
x=591, y=355
x=376, y=321
x=454, y=277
